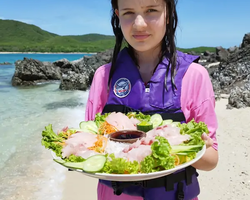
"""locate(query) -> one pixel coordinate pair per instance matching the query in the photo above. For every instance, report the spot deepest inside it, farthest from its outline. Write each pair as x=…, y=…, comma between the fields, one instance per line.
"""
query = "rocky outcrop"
x=78, y=75
x=30, y=72
x=222, y=54
x=75, y=75
x=246, y=40
x=232, y=76
x=240, y=96
x=229, y=70
x=6, y=63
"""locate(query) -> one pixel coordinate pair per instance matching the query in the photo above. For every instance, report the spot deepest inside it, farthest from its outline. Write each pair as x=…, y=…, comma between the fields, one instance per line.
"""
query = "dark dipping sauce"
x=127, y=136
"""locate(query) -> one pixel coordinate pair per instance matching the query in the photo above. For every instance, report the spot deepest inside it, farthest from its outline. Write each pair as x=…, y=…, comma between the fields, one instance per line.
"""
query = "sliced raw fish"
x=139, y=153
x=121, y=121
x=78, y=143
x=172, y=134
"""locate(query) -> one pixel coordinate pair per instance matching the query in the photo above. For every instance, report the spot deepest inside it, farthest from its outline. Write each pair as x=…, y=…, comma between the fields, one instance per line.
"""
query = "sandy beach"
x=229, y=181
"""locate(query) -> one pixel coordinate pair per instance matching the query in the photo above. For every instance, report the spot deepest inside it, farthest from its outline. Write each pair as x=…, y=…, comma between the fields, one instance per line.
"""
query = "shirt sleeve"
x=98, y=92
x=198, y=100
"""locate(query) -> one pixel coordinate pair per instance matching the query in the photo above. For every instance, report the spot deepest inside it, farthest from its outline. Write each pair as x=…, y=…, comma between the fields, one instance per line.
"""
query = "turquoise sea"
x=26, y=167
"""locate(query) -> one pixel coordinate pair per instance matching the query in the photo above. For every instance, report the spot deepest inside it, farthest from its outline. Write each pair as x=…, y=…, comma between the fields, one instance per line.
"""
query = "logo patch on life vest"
x=122, y=87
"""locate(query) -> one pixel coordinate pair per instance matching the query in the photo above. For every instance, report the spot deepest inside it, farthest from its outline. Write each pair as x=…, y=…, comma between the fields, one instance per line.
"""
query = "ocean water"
x=26, y=167
x=11, y=58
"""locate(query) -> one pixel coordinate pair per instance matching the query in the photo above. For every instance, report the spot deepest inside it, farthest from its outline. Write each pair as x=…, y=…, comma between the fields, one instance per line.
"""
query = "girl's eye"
x=151, y=10
x=128, y=13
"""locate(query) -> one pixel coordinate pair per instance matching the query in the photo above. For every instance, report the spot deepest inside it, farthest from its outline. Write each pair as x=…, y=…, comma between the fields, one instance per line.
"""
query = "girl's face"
x=143, y=22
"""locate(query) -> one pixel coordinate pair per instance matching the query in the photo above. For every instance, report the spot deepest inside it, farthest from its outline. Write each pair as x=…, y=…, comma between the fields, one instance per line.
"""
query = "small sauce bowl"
x=126, y=136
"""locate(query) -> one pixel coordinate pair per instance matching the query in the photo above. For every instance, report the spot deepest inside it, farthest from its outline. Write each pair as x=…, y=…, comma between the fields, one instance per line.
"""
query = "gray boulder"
x=240, y=96
x=246, y=40
x=75, y=75
x=95, y=61
x=232, y=77
x=30, y=72
x=78, y=75
x=221, y=54
x=232, y=49
x=74, y=81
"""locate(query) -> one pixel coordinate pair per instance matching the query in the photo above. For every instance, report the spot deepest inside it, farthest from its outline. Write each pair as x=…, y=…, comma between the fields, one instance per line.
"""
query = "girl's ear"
x=117, y=12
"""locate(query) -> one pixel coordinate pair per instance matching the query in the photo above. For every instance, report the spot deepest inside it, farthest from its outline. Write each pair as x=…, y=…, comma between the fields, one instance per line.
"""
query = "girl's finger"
x=208, y=141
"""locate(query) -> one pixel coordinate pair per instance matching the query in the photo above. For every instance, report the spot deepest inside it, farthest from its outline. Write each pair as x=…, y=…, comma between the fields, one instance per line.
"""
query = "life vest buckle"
x=180, y=192
x=117, y=190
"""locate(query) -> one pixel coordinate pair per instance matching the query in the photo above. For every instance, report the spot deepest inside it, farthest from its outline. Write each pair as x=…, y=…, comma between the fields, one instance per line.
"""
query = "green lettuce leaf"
x=195, y=130
x=115, y=165
x=99, y=118
x=73, y=158
x=140, y=116
x=160, y=159
x=52, y=141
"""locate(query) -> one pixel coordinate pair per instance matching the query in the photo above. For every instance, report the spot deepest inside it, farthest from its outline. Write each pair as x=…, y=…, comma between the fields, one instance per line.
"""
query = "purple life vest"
x=128, y=93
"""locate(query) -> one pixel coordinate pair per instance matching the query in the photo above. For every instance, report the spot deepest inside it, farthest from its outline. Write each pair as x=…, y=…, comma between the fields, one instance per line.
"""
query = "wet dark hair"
x=168, y=42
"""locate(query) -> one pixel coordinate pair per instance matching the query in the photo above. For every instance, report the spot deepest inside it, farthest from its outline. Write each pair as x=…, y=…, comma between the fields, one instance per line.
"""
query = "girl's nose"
x=139, y=22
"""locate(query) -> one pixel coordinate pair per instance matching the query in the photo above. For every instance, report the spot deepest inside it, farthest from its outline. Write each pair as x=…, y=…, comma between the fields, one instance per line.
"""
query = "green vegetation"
x=199, y=50
x=21, y=37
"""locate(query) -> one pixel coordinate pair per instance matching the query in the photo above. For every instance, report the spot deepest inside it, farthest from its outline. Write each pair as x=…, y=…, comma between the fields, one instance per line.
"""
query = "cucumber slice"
x=59, y=161
x=94, y=163
x=144, y=126
x=74, y=165
x=167, y=121
x=88, y=126
x=71, y=165
x=75, y=129
x=156, y=120
x=175, y=124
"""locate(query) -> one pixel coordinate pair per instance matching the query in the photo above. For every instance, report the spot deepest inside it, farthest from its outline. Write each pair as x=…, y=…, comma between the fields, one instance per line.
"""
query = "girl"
x=151, y=76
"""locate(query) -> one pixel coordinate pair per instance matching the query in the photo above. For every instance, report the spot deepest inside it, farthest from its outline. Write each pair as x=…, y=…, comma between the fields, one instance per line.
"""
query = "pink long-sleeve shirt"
x=197, y=102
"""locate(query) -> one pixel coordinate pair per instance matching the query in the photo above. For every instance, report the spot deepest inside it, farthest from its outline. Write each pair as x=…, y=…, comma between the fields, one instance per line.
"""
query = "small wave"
x=4, y=91
x=65, y=103
x=48, y=82
x=6, y=155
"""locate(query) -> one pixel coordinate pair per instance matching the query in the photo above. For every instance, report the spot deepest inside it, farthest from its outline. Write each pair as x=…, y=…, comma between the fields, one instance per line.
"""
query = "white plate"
x=139, y=177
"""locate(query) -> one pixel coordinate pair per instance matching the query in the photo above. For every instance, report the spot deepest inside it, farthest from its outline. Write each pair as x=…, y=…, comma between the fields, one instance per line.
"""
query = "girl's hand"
x=210, y=159
x=208, y=141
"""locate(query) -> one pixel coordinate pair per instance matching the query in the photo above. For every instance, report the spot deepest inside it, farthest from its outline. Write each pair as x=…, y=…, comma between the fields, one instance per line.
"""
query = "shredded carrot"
x=107, y=128
x=100, y=144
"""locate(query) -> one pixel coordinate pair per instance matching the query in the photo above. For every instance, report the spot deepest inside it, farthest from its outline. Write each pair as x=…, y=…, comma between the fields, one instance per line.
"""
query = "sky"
x=201, y=22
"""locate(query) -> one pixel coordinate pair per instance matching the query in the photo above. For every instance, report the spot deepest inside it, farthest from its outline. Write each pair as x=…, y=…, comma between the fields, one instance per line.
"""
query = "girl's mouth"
x=141, y=37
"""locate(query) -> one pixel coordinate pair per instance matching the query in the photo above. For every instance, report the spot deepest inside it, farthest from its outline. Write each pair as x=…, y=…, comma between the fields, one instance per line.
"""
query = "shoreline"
x=92, y=53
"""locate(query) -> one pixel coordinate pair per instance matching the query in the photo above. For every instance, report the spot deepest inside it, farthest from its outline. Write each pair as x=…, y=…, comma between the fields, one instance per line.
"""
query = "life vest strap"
x=169, y=114
x=167, y=181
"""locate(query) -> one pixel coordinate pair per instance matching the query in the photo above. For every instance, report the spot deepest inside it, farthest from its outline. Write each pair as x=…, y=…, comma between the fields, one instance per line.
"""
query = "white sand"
x=229, y=181
x=79, y=187
x=231, y=178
